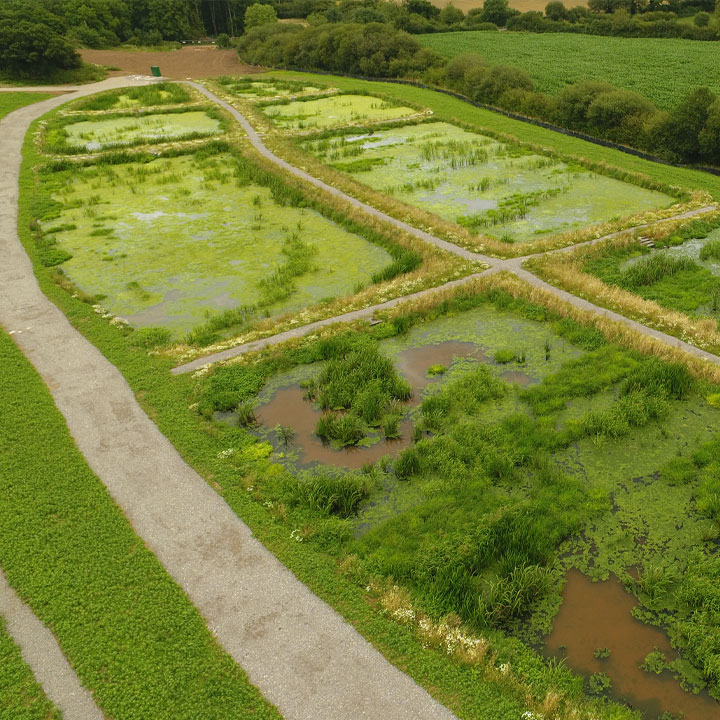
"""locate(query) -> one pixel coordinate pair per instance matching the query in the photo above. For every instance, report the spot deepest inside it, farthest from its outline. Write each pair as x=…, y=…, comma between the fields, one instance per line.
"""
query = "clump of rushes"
x=356, y=389
x=503, y=357
x=436, y=370
x=245, y=412
x=284, y=433
x=711, y=250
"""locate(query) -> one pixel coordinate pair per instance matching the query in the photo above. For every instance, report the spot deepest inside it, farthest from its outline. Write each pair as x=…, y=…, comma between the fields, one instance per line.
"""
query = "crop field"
x=555, y=60
x=489, y=187
x=168, y=241
x=335, y=111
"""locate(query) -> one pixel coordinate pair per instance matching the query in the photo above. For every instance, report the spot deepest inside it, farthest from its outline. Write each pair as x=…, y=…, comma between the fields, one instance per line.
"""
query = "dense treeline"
x=107, y=23
x=626, y=18
x=373, y=49
x=688, y=133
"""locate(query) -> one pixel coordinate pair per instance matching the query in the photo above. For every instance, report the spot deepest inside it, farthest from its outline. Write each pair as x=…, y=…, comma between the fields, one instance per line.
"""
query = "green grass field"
x=21, y=698
x=10, y=101
x=132, y=635
x=662, y=69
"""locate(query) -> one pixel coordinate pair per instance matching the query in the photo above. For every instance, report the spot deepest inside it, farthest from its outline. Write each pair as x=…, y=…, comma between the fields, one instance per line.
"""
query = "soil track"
x=196, y=62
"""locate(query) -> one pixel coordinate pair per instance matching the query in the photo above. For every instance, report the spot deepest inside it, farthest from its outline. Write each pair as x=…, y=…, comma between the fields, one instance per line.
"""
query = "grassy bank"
x=131, y=634
x=21, y=697
x=10, y=101
x=555, y=60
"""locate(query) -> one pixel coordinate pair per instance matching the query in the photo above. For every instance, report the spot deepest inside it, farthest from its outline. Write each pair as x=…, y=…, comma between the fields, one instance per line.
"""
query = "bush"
x=375, y=49
x=150, y=337
x=257, y=15
x=223, y=41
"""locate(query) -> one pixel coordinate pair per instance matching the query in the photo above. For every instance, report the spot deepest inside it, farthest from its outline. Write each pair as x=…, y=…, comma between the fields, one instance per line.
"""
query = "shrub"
x=223, y=41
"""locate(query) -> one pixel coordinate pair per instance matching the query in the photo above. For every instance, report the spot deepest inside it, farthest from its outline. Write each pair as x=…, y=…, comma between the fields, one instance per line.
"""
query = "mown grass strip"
x=21, y=697
x=131, y=634
x=10, y=101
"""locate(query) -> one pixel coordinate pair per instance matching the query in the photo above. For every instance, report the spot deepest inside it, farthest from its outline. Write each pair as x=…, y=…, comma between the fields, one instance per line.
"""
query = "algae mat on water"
x=95, y=135
x=491, y=187
x=335, y=111
x=169, y=240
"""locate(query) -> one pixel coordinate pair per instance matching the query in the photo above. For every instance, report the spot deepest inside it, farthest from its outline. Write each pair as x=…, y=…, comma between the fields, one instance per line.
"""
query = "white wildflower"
x=226, y=453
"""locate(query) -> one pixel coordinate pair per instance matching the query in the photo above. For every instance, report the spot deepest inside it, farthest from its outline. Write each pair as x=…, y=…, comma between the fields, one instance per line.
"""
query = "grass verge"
x=21, y=697
x=10, y=101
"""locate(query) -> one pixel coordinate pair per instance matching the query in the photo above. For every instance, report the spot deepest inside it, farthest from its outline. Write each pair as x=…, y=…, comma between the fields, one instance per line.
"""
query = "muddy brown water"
x=598, y=615
x=414, y=363
x=516, y=377
x=289, y=407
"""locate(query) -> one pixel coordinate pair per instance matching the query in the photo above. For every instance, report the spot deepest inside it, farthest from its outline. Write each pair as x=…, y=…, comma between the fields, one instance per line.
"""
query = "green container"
x=155, y=70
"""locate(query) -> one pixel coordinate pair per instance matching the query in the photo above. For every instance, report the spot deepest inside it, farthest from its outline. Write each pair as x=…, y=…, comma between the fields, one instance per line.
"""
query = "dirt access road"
x=196, y=62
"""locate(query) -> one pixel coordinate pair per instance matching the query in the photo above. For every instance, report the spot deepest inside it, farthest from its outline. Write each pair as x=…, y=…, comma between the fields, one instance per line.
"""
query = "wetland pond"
x=491, y=187
x=597, y=615
x=448, y=345
x=644, y=517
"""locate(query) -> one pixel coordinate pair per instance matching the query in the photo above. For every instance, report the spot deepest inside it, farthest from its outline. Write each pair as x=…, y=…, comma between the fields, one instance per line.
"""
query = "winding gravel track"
x=297, y=650
x=513, y=265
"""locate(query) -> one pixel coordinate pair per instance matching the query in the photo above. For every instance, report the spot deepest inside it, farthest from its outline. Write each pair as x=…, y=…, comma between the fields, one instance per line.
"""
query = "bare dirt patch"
x=188, y=62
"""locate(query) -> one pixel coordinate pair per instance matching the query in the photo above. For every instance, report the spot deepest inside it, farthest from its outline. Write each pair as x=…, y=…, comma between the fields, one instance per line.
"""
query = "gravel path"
x=297, y=650
x=42, y=653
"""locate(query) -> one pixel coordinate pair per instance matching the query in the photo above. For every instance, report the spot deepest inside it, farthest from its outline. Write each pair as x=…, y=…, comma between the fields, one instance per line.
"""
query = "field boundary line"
x=297, y=650
x=40, y=650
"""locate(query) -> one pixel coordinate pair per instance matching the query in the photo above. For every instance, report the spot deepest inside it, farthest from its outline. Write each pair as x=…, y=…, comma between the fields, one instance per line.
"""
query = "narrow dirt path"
x=297, y=650
x=41, y=652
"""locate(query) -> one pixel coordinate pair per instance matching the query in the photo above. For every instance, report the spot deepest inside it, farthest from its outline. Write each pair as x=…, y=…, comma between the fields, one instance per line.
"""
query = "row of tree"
x=108, y=23
x=689, y=133
x=630, y=18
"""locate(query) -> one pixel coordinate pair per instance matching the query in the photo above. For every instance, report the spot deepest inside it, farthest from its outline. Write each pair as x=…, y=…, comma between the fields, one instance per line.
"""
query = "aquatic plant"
x=328, y=492
x=599, y=683
x=245, y=412
x=284, y=433
x=710, y=250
